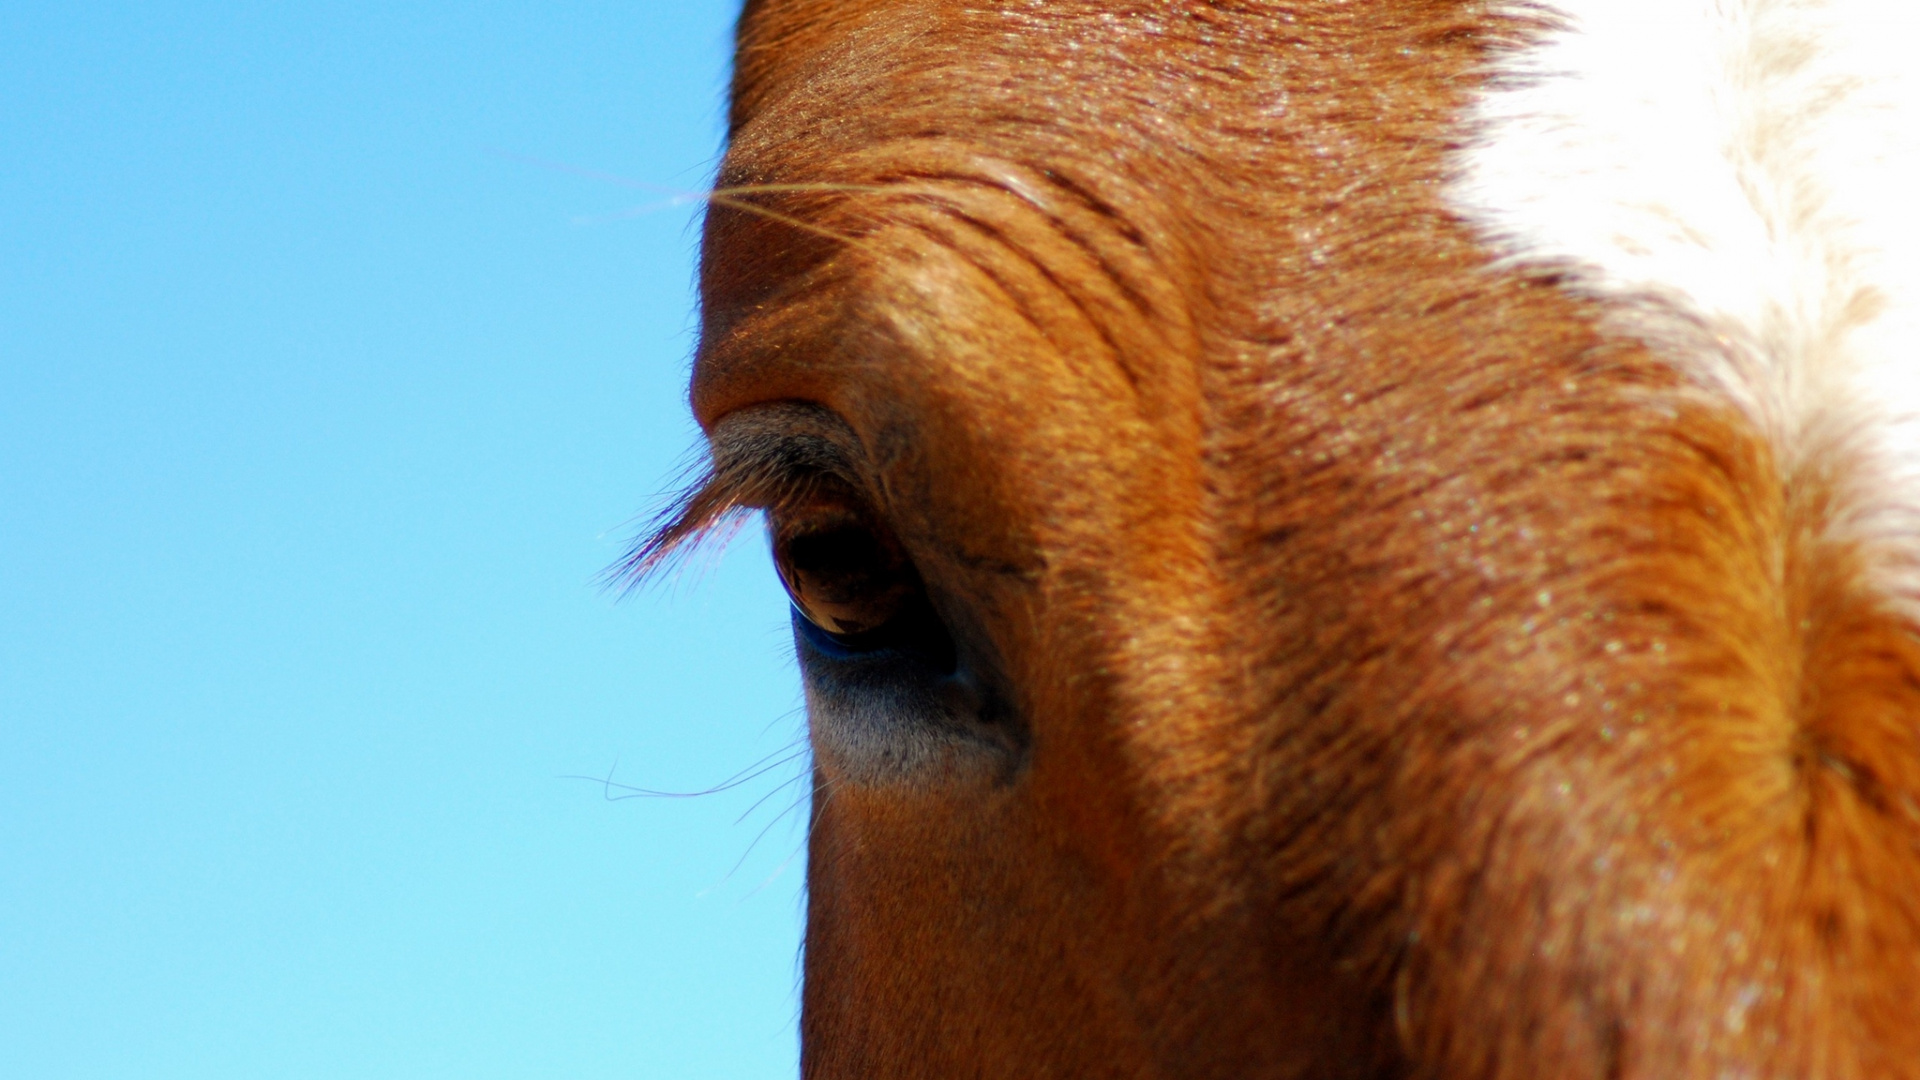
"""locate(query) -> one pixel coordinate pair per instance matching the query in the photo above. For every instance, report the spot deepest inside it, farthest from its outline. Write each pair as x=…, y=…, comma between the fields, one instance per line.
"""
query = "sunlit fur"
x=1446, y=640
x=1743, y=174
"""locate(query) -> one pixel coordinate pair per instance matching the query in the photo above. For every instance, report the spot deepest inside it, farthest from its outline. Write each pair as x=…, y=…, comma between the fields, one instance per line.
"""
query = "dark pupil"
x=851, y=583
x=846, y=580
x=844, y=566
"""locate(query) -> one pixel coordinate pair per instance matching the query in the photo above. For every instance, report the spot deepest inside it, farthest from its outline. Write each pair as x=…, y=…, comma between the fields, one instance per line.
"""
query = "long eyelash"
x=699, y=512
x=706, y=511
x=762, y=471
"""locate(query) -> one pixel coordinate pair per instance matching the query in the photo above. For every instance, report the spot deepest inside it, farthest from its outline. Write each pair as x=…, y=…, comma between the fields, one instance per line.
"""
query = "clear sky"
x=321, y=406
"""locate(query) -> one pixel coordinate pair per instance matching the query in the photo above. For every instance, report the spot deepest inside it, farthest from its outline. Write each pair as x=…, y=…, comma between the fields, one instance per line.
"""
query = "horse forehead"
x=1196, y=138
x=1372, y=415
x=799, y=48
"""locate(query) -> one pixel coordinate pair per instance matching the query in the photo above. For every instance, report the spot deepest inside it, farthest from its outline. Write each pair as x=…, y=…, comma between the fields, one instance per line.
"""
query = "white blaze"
x=1741, y=176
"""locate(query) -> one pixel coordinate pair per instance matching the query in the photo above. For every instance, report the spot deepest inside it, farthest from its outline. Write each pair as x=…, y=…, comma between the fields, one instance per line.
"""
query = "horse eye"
x=845, y=580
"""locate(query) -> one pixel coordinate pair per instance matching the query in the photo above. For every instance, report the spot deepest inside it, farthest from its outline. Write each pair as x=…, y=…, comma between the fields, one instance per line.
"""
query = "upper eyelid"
x=771, y=454
x=758, y=459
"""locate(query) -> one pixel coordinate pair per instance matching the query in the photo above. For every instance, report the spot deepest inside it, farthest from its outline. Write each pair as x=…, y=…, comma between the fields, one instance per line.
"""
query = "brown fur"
x=1419, y=681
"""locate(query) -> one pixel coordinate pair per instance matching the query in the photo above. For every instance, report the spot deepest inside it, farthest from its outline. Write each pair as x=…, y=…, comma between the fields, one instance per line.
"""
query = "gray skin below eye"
x=891, y=715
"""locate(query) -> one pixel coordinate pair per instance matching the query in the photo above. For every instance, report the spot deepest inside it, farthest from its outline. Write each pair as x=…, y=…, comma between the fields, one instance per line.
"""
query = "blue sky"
x=320, y=408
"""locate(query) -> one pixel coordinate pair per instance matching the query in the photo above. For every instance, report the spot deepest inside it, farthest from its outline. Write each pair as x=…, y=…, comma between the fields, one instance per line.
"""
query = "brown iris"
x=844, y=576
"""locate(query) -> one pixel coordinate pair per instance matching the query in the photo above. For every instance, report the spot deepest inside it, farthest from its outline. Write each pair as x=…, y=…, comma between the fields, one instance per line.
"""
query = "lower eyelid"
x=834, y=646
x=923, y=643
x=823, y=641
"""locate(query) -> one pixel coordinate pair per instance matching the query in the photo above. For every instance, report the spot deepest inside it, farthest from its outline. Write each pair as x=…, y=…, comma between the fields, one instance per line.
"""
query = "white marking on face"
x=1739, y=177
